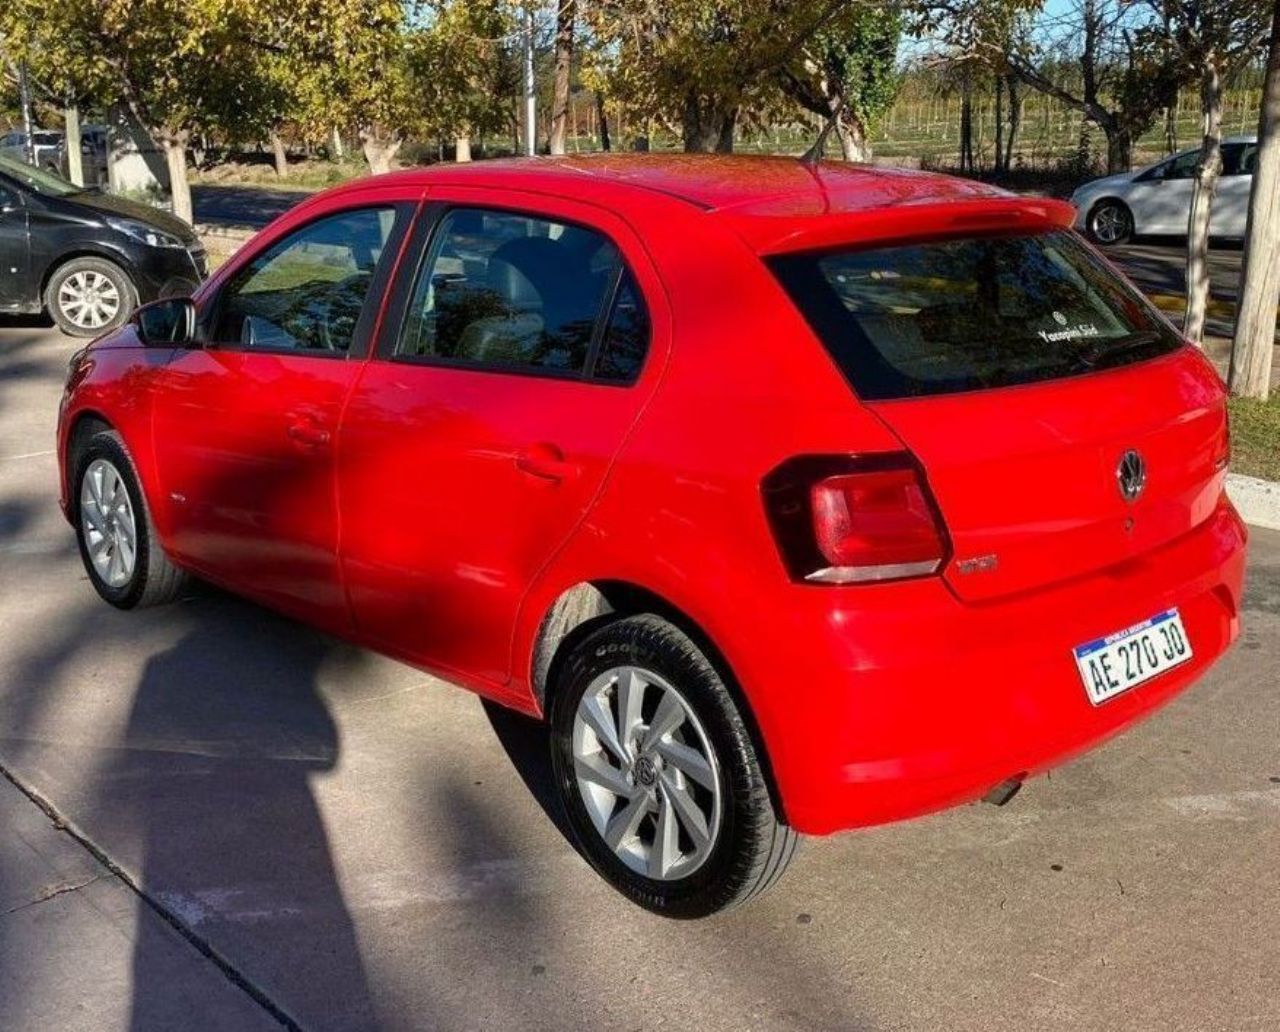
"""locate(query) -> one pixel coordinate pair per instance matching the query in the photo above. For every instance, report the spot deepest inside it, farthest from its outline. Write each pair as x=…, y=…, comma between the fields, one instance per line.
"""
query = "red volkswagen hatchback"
x=795, y=498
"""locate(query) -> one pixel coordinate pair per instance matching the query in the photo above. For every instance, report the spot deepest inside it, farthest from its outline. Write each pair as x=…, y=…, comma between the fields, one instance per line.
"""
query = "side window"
x=498, y=289
x=306, y=292
x=626, y=336
x=1183, y=166
x=1238, y=159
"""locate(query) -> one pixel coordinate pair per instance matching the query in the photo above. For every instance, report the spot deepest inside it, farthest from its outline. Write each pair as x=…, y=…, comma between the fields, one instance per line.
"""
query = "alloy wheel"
x=646, y=773
x=1110, y=224
x=89, y=299
x=108, y=524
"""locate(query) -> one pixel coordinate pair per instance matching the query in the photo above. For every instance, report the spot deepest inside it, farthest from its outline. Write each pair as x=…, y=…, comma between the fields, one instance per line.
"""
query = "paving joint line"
x=202, y=945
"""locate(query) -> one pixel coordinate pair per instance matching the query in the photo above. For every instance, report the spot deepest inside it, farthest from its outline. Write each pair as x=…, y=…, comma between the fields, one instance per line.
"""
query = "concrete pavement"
x=364, y=846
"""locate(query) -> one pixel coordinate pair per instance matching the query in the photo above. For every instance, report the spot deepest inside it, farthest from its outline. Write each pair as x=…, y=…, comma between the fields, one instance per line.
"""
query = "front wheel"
x=89, y=296
x=1110, y=223
x=118, y=544
x=658, y=773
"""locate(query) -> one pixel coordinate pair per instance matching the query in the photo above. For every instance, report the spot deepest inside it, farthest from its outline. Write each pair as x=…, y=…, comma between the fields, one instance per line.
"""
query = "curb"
x=1257, y=501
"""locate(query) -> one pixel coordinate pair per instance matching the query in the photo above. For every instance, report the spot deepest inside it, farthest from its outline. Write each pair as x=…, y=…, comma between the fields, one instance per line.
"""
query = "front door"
x=245, y=426
x=16, y=290
x=476, y=441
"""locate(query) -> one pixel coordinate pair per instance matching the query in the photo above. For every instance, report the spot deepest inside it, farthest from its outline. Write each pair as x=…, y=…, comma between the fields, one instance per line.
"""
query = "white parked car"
x=1157, y=199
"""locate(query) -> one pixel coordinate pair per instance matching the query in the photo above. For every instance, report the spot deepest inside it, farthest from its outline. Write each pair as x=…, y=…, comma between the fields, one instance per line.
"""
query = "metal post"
x=24, y=100
x=530, y=100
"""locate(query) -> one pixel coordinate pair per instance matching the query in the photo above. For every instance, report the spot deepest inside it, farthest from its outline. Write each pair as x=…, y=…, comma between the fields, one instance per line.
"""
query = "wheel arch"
x=87, y=423
x=582, y=608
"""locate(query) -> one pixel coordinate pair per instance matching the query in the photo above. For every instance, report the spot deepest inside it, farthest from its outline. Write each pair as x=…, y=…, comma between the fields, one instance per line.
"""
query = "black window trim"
x=360, y=340
x=423, y=241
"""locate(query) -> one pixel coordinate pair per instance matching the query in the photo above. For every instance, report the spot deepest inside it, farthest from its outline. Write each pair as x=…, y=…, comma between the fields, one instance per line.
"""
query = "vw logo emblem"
x=1131, y=475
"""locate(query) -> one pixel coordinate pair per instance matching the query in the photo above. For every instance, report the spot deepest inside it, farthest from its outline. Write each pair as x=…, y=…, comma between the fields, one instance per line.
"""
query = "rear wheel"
x=89, y=296
x=1110, y=222
x=117, y=539
x=658, y=774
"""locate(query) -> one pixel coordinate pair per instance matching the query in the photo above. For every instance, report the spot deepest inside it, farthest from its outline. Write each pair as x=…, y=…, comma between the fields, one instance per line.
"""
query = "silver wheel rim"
x=89, y=299
x=1109, y=224
x=646, y=773
x=107, y=522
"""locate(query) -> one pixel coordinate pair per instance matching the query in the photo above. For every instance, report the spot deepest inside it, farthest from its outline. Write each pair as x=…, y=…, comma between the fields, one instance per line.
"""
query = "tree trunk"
x=278, y=155
x=604, y=122
x=966, y=127
x=1016, y=104
x=1253, y=348
x=1119, y=147
x=336, y=151
x=708, y=126
x=853, y=137
x=379, y=150
x=1000, y=124
x=563, y=66
x=175, y=156
x=1206, y=185
x=71, y=146
x=462, y=149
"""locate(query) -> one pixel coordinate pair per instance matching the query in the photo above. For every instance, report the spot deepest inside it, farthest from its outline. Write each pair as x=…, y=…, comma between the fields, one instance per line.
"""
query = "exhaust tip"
x=1000, y=794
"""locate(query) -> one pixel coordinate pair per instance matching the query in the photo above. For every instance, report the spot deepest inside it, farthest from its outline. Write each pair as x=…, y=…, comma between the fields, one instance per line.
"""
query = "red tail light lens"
x=842, y=520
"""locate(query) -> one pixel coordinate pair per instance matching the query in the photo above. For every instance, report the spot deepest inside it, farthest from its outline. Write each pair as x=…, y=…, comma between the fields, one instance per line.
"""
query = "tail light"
x=852, y=519
x=1222, y=453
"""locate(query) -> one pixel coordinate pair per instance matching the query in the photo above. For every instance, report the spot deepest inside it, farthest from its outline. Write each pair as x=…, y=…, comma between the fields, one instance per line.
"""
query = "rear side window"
x=962, y=315
x=626, y=335
x=502, y=290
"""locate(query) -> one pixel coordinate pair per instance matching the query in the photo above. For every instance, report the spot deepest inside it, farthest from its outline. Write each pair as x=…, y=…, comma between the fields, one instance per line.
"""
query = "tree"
x=702, y=64
x=1124, y=77
x=1255, y=334
x=180, y=66
x=1214, y=40
x=846, y=71
x=975, y=39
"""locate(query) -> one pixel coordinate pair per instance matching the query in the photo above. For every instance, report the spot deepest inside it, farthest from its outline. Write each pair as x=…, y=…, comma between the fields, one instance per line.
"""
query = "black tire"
x=1110, y=222
x=73, y=321
x=154, y=579
x=753, y=846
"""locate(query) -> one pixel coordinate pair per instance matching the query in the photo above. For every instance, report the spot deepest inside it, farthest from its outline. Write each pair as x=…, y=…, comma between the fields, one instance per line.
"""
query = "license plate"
x=1120, y=661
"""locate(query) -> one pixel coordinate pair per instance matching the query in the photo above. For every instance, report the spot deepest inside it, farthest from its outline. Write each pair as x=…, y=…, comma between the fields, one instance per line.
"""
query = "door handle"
x=306, y=432
x=546, y=462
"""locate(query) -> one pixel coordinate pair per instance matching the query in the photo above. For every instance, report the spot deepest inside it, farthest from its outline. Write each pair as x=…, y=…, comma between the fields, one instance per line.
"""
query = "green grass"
x=1255, y=436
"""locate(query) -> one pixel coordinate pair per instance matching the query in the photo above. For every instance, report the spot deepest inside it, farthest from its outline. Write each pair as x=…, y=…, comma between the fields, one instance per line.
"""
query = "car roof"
x=774, y=203
x=718, y=182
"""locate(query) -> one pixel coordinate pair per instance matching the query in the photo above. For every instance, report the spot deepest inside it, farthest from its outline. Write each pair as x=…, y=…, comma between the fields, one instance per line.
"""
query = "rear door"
x=245, y=425
x=519, y=356
x=1231, y=202
x=1021, y=371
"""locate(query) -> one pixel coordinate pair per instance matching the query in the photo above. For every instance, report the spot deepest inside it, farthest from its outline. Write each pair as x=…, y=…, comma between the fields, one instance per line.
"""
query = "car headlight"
x=145, y=234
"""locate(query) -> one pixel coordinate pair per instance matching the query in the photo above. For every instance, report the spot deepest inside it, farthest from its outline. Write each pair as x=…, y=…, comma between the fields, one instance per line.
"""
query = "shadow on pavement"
x=214, y=772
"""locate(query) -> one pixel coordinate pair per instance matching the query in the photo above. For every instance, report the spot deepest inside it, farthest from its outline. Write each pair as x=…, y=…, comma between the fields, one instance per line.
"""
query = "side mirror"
x=169, y=322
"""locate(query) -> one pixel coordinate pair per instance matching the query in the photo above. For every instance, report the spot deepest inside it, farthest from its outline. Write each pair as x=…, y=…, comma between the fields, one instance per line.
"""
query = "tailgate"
x=1028, y=478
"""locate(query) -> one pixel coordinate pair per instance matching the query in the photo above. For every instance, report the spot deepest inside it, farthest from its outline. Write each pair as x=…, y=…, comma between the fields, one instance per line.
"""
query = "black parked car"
x=87, y=258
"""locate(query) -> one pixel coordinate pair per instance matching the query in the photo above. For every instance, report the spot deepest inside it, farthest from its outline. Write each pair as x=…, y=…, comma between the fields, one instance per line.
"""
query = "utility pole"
x=24, y=100
x=530, y=99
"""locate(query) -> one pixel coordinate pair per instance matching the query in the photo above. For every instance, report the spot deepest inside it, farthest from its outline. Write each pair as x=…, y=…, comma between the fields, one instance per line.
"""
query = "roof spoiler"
x=904, y=222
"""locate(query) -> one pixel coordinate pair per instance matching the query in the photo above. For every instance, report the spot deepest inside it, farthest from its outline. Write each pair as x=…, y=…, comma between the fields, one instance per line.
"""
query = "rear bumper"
x=906, y=700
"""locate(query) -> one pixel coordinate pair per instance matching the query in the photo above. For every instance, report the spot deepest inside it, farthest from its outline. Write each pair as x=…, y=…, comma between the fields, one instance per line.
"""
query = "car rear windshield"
x=969, y=314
